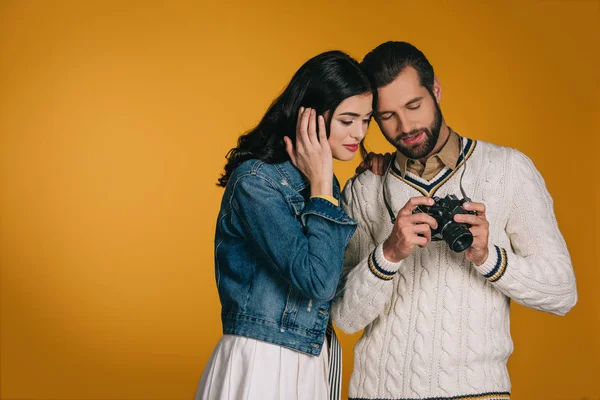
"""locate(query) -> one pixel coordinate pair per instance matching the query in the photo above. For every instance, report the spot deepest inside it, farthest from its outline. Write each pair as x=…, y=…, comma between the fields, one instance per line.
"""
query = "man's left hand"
x=480, y=228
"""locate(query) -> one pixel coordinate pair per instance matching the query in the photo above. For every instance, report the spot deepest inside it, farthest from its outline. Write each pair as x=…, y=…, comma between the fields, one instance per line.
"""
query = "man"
x=436, y=321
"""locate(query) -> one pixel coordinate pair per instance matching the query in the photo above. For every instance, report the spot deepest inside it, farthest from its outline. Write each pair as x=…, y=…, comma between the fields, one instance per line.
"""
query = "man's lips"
x=412, y=138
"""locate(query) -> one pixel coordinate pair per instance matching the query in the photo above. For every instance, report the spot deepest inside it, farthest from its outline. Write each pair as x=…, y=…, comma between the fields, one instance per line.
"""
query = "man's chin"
x=411, y=153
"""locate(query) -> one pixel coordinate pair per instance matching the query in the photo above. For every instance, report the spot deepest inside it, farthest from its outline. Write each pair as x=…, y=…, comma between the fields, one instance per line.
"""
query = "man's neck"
x=442, y=139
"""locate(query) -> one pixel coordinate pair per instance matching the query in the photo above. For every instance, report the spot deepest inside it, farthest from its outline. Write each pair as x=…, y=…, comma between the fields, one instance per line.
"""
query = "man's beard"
x=420, y=150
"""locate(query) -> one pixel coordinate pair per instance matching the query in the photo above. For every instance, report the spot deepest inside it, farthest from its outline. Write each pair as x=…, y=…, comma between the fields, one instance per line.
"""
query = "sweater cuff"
x=380, y=267
x=495, y=266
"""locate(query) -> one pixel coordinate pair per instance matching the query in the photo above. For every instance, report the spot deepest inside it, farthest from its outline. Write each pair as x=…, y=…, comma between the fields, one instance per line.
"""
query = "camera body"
x=456, y=235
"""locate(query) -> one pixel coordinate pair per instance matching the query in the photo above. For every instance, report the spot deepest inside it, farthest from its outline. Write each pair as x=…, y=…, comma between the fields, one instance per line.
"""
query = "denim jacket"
x=278, y=256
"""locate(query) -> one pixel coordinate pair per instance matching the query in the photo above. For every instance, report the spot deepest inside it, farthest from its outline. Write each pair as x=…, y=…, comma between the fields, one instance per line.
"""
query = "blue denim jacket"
x=278, y=256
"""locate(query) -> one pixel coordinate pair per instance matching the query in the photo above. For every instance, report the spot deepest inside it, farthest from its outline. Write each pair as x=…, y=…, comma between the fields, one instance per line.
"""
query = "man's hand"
x=480, y=228
x=376, y=162
x=409, y=230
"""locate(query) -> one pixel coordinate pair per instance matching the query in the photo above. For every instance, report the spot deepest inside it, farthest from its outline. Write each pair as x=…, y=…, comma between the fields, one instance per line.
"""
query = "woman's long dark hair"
x=322, y=83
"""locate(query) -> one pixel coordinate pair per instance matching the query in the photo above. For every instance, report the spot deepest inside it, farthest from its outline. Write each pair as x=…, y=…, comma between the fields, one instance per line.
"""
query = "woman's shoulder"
x=254, y=172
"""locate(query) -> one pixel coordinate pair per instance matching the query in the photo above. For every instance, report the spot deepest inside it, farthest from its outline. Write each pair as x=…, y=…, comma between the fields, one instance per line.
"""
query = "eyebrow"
x=352, y=114
x=414, y=100
x=407, y=104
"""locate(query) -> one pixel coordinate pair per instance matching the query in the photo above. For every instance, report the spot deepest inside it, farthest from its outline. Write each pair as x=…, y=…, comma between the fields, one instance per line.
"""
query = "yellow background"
x=115, y=117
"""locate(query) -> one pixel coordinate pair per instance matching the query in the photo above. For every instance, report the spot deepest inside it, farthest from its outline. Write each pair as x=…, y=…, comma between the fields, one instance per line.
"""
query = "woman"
x=280, y=237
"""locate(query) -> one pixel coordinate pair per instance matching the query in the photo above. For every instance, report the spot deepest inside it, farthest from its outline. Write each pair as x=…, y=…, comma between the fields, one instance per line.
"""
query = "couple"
x=292, y=253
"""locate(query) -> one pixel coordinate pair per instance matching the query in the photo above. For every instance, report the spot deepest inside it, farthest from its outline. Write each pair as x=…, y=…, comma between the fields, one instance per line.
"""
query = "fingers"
x=300, y=113
x=478, y=252
x=479, y=233
x=423, y=219
x=413, y=202
x=473, y=220
x=375, y=160
x=306, y=129
x=410, y=229
x=289, y=148
x=309, y=155
x=362, y=167
x=312, y=128
x=422, y=241
x=386, y=159
x=366, y=164
x=322, y=130
x=410, y=235
x=480, y=229
x=302, y=139
x=474, y=206
x=424, y=231
x=377, y=163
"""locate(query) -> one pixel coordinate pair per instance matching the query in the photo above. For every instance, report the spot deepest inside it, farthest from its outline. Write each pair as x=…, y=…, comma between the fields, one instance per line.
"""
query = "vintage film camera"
x=456, y=235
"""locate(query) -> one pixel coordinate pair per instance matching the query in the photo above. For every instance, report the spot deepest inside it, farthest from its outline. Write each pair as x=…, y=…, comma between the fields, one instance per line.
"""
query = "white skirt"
x=249, y=369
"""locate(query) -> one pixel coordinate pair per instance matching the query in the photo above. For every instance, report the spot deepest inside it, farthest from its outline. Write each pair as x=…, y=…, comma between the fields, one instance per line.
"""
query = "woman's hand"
x=312, y=154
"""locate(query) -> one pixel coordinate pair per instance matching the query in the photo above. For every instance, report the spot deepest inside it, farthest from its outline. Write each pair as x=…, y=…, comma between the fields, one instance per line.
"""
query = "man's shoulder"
x=489, y=146
x=504, y=158
x=494, y=152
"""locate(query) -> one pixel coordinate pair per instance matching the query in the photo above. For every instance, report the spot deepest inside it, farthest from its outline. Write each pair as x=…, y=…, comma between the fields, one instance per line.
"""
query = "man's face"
x=408, y=115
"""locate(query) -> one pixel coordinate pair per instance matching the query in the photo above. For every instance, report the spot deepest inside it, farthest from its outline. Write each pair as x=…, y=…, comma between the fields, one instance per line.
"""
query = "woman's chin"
x=345, y=156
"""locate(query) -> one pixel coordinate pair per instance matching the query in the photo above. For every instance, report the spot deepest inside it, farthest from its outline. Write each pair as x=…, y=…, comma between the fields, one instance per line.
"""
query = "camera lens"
x=458, y=237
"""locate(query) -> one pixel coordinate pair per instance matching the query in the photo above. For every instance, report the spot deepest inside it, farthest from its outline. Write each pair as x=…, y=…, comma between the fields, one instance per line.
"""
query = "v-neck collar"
x=428, y=188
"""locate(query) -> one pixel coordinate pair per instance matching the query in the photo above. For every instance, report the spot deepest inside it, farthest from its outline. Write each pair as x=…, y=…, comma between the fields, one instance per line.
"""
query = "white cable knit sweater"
x=435, y=325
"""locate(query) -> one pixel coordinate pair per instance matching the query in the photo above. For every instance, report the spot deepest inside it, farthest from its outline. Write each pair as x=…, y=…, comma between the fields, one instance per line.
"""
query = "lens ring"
x=457, y=236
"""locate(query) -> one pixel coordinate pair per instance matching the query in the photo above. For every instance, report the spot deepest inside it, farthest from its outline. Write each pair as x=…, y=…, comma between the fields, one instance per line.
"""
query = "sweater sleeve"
x=536, y=272
x=366, y=283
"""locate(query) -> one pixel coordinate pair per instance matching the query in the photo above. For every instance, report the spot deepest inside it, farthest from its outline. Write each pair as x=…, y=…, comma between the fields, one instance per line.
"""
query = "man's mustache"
x=403, y=135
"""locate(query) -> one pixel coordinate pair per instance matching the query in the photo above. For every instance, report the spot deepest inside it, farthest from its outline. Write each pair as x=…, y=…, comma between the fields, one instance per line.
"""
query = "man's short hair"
x=385, y=62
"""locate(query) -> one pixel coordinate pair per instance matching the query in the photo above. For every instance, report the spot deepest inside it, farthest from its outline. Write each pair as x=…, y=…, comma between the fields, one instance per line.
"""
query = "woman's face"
x=349, y=125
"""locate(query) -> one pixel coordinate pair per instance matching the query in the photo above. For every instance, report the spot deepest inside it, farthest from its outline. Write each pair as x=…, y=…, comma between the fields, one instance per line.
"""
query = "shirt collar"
x=448, y=154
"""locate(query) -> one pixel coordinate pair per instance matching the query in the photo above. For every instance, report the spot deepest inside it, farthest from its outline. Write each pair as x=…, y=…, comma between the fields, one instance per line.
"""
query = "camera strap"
x=385, y=200
x=387, y=172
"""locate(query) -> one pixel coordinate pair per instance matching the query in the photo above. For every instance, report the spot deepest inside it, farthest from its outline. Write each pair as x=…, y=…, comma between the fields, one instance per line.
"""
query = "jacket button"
x=322, y=311
x=315, y=345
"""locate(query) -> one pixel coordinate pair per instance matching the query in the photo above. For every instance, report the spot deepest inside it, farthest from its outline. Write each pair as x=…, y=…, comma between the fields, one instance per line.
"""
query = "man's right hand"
x=409, y=230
